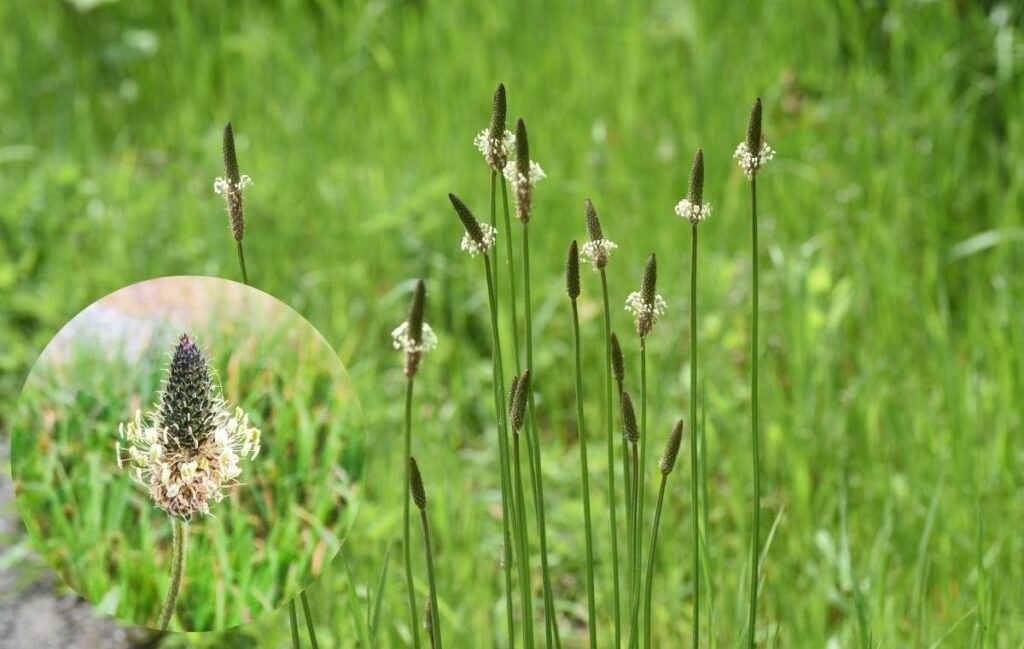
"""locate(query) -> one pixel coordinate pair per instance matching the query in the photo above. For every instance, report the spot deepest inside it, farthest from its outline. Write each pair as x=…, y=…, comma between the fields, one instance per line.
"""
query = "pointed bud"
x=593, y=223
x=572, y=271
x=416, y=308
x=520, y=400
x=230, y=158
x=234, y=185
x=629, y=429
x=419, y=494
x=522, y=149
x=618, y=364
x=696, y=194
x=649, y=285
x=754, y=128
x=512, y=396
x=499, y=113
x=668, y=458
x=469, y=221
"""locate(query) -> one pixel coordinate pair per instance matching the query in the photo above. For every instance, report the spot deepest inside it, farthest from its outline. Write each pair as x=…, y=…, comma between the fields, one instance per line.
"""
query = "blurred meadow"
x=892, y=255
x=273, y=533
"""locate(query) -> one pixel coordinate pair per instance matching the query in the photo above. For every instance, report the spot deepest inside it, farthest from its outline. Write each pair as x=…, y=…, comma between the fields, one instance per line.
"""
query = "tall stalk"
x=597, y=251
x=179, y=549
x=618, y=367
x=631, y=434
x=752, y=154
x=419, y=497
x=406, y=519
x=572, y=281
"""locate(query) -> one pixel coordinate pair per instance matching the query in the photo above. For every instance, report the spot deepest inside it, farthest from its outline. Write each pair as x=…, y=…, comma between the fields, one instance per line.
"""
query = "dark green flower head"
x=668, y=458
x=519, y=400
x=593, y=223
x=649, y=285
x=416, y=309
x=419, y=494
x=480, y=237
x=232, y=184
x=522, y=149
x=499, y=115
x=572, y=271
x=754, y=128
x=189, y=403
x=618, y=364
x=629, y=428
x=696, y=193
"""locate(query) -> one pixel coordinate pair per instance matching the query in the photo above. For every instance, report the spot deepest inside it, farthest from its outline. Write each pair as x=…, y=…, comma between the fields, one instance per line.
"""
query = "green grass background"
x=891, y=285
x=272, y=534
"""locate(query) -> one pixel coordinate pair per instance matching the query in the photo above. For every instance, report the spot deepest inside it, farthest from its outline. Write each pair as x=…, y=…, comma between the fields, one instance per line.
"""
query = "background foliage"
x=891, y=287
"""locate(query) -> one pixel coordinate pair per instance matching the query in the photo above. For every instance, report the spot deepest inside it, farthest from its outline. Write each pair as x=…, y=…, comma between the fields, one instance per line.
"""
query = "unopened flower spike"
x=414, y=336
x=629, y=428
x=572, y=271
x=419, y=494
x=496, y=143
x=519, y=398
x=523, y=173
x=668, y=458
x=692, y=208
x=646, y=305
x=187, y=450
x=618, y=363
x=753, y=153
x=596, y=250
x=231, y=185
x=479, y=237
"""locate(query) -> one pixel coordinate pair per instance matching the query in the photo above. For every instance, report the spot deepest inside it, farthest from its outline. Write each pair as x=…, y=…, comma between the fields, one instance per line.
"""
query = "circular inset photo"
x=186, y=453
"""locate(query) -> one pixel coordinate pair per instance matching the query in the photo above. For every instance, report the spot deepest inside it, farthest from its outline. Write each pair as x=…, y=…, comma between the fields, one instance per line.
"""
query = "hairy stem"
x=179, y=548
x=241, y=262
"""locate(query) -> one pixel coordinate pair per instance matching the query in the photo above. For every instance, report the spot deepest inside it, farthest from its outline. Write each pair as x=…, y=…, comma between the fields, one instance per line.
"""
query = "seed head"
x=419, y=494
x=495, y=142
x=646, y=305
x=618, y=365
x=596, y=250
x=692, y=208
x=754, y=127
x=572, y=271
x=518, y=401
x=479, y=237
x=414, y=336
x=668, y=458
x=231, y=185
x=523, y=174
x=629, y=429
x=186, y=451
x=753, y=153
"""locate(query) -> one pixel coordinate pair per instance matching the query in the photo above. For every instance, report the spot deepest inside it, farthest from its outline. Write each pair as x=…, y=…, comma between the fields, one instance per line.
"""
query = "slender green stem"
x=435, y=618
x=179, y=548
x=508, y=511
x=406, y=521
x=638, y=502
x=694, y=467
x=611, y=457
x=585, y=474
x=704, y=506
x=524, y=553
x=494, y=223
x=241, y=262
x=755, y=445
x=309, y=621
x=293, y=620
x=634, y=536
x=650, y=563
x=533, y=446
x=627, y=487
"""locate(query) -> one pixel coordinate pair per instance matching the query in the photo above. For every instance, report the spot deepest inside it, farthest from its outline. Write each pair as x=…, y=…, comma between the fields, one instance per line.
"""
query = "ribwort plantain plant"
x=647, y=306
x=752, y=154
x=415, y=339
x=479, y=239
x=694, y=209
x=596, y=251
x=419, y=496
x=230, y=186
x=186, y=451
x=572, y=289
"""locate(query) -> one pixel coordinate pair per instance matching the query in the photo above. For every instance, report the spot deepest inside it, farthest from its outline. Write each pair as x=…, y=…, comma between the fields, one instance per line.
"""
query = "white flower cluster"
x=751, y=163
x=184, y=481
x=645, y=315
x=495, y=151
x=511, y=173
x=404, y=342
x=222, y=186
x=596, y=252
x=470, y=245
x=693, y=212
